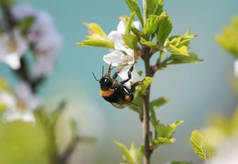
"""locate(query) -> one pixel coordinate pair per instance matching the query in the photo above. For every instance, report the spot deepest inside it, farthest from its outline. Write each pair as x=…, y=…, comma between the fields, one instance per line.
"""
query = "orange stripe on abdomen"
x=106, y=93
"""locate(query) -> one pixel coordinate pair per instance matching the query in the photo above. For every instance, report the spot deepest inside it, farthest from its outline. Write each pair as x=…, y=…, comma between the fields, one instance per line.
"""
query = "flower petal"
x=134, y=75
x=13, y=60
x=121, y=27
x=137, y=25
x=26, y=116
x=115, y=58
x=236, y=68
x=8, y=100
x=25, y=94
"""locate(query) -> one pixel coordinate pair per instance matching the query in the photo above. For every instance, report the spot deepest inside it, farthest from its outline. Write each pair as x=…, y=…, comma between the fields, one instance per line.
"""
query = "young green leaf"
x=200, y=145
x=126, y=153
x=151, y=25
x=162, y=141
x=169, y=130
x=131, y=41
x=228, y=39
x=26, y=24
x=95, y=29
x=153, y=7
x=179, y=162
x=165, y=28
x=129, y=23
x=158, y=103
x=97, y=43
x=181, y=59
x=177, y=50
x=134, y=7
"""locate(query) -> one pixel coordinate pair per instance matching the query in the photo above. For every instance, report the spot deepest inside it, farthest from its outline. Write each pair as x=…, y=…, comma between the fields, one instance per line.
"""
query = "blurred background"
x=196, y=91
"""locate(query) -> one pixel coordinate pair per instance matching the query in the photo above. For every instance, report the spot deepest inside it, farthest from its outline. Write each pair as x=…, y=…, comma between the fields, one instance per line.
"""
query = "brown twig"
x=146, y=108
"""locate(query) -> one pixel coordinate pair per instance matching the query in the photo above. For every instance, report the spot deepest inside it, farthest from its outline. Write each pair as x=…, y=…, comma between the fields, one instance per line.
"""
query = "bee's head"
x=105, y=82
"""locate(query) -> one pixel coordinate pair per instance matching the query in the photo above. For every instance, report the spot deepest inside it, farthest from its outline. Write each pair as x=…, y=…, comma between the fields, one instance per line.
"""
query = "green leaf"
x=97, y=43
x=153, y=7
x=179, y=44
x=200, y=145
x=125, y=152
x=165, y=28
x=134, y=7
x=26, y=24
x=181, y=59
x=129, y=23
x=151, y=25
x=149, y=43
x=180, y=162
x=57, y=113
x=228, y=39
x=169, y=130
x=159, y=7
x=140, y=154
x=3, y=106
x=153, y=106
x=131, y=41
x=177, y=50
x=4, y=86
x=95, y=29
x=158, y=103
x=162, y=141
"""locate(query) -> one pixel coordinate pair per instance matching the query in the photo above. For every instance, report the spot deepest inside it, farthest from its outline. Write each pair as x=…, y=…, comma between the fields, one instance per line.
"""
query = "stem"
x=146, y=111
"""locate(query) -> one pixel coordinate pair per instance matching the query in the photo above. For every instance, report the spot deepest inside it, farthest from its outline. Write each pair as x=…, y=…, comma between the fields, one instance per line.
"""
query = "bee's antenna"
x=102, y=71
x=95, y=77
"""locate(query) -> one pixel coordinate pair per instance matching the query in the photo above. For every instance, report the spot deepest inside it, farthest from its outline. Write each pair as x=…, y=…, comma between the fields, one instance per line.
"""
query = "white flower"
x=26, y=96
x=44, y=36
x=23, y=11
x=227, y=154
x=121, y=54
x=43, y=66
x=236, y=68
x=12, y=46
x=21, y=106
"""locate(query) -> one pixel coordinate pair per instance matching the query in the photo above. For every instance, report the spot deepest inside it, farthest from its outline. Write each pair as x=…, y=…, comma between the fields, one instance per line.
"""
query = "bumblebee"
x=115, y=92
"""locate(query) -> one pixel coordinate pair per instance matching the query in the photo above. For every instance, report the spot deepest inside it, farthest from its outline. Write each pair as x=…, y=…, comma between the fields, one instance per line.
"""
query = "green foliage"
x=228, y=39
x=4, y=85
x=129, y=23
x=179, y=162
x=200, y=145
x=153, y=7
x=97, y=37
x=134, y=7
x=151, y=25
x=162, y=141
x=24, y=143
x=165, y=28
x=165, y=133
x=179, y=44
x=158, y=103
x=168, y=131
x=220, y=129
x=131, y=156
x=130, y=40
x=26, y=24
x=97, y=43
x=181, y=59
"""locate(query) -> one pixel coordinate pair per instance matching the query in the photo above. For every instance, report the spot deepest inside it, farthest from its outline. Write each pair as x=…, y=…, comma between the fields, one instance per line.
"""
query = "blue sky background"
x=196, y=91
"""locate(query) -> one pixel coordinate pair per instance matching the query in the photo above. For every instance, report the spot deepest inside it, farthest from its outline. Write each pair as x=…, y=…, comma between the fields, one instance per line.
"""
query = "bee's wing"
x=120, y=106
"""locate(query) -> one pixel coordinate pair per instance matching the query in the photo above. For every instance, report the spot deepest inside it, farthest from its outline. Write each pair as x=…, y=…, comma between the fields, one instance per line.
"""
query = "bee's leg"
x=116, y=73
x=133, y=87
x=129, y=75
x=109, y=69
